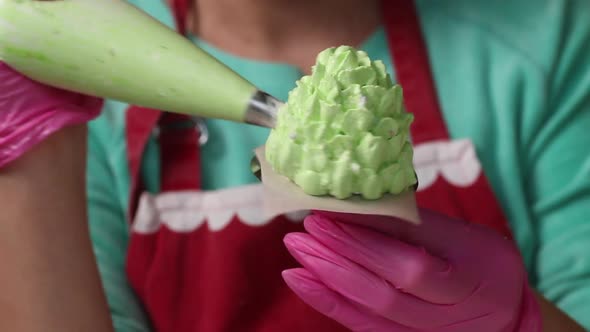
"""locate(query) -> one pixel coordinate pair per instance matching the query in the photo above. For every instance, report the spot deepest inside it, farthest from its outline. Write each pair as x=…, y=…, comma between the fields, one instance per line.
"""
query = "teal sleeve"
x=106, y=188
x=558, y=160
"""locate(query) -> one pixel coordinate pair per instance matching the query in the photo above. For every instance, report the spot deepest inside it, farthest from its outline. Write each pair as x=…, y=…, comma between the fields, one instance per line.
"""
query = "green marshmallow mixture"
x=344, y=130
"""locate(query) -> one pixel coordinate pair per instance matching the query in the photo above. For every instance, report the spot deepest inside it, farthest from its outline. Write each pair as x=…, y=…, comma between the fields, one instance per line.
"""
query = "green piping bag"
x=111, y=49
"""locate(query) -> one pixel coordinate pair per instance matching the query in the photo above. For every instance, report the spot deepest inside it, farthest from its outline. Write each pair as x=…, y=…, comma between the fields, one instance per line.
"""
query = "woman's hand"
x=442, y=275
x=30, y=112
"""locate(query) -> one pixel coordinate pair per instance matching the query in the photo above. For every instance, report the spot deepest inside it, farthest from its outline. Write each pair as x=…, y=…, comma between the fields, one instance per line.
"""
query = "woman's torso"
x=490, y=72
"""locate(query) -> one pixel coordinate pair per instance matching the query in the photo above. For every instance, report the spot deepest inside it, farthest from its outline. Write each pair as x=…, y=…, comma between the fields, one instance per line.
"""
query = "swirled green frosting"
x=344, y=130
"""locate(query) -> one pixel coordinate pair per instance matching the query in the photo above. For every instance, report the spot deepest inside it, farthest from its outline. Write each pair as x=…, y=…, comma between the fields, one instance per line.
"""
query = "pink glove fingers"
x=402, y=230
x=393, y=277
x=30, y=112
x=20, y=136
x=427, y=234
x=324, y=300
x=417, y=272
x=38, y=97
x=361, y=286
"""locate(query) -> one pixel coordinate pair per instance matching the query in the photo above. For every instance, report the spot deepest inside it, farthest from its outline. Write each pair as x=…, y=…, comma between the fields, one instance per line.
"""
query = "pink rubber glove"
x=443, y=275
x=30, y=112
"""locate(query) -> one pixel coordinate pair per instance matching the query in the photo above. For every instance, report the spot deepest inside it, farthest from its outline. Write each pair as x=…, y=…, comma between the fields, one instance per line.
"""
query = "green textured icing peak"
x=344, y=130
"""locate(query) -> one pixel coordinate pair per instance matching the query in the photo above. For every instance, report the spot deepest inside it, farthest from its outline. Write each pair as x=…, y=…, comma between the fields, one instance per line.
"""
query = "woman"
x=483, y=73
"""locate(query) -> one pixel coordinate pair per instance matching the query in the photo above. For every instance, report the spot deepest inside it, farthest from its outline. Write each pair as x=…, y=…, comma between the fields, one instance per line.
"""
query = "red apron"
x=208, y=261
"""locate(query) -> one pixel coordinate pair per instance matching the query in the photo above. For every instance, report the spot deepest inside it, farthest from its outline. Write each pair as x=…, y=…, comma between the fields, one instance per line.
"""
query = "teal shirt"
x=514, y=77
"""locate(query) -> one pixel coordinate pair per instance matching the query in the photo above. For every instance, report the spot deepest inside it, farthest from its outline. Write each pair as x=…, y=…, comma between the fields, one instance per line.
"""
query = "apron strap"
x=180, y=9
x=412, y=65
x=476, y=202
x=140, y=123
x=179, y=150
x=179, y=153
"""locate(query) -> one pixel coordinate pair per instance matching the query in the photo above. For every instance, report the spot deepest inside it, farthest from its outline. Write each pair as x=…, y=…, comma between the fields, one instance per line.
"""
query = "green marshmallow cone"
x=111, y=49
x=344, y=130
